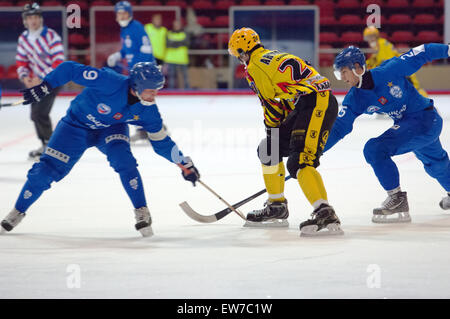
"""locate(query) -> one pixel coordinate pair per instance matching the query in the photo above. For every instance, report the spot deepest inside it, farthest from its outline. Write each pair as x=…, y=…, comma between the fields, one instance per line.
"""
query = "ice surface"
x=86, y=222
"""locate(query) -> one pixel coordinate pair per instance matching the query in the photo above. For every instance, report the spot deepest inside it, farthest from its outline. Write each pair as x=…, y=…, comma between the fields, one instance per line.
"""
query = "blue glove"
x=36, y=93
x=192, y=177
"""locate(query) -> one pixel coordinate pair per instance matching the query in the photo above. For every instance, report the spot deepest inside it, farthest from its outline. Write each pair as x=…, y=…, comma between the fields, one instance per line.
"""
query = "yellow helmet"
x=242, y=40
x=371, y=30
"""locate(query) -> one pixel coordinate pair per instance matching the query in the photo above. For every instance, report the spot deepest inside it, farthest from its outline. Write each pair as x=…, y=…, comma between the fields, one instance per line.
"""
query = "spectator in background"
x=157, y=34
x=384, y=50
x=39, y=51
x=136, y=47
x=177, y=58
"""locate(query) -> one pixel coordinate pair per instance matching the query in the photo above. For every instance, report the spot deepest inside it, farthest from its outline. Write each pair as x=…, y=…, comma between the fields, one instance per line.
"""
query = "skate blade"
x=276, y=223
x=146, y=231
x=392, y=218
x=330, y=230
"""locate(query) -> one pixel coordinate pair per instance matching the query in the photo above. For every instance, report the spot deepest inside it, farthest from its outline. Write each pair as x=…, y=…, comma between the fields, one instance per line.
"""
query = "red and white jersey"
x=39, y=53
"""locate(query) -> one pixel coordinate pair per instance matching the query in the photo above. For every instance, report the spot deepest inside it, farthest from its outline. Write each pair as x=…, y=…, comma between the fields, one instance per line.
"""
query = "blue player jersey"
x=136, y=45
x=104, y=102
x=392, y=93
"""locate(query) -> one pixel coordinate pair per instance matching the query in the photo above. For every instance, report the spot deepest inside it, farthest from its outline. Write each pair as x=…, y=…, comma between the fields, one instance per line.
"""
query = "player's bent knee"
x=121, y=159
x=41, y=175
x=374, y=151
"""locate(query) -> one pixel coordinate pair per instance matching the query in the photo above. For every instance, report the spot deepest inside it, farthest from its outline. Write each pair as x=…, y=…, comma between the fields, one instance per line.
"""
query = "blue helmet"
x=146, y=75
x=123, y=6
x=348, y=57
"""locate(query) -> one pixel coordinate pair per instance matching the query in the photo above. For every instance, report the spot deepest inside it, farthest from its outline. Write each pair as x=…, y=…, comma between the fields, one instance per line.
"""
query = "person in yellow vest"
x=299, y=111
x=385, y=50
x=157, y=34
x=177, y=58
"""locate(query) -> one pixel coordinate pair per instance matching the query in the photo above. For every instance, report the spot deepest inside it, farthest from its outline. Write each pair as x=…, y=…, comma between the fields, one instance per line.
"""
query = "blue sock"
x=132, y=182
x=27, y=197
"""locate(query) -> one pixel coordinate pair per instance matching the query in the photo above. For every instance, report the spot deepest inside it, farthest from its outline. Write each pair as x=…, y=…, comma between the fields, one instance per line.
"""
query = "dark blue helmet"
x=348, y=57
x=123, y=6
x=146, y=75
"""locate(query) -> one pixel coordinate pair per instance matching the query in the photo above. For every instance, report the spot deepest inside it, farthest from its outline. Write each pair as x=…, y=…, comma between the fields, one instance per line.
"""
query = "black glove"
x=36, y=93
x=194, y=175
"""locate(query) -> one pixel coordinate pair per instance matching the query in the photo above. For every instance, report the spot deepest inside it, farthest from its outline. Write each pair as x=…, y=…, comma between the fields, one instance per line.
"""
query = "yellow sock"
x=274, y=180
x=312, y=185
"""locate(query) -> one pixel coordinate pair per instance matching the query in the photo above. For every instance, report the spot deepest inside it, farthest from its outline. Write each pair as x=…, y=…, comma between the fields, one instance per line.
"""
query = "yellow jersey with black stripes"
x=279, y=79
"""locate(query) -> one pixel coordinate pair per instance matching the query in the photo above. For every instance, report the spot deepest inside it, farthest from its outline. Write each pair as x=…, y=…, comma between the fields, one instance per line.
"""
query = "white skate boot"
x=445, y=202
x=394, y=209
x=12, y=220
x=143, y=221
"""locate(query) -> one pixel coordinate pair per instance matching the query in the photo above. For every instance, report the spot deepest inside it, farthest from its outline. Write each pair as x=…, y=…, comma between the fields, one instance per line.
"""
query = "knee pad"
x=121, y=159
x=374, y=151
x=268, y=153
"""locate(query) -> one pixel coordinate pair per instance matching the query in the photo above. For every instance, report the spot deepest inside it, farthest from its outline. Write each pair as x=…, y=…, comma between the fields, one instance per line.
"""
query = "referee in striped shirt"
x=39, y=51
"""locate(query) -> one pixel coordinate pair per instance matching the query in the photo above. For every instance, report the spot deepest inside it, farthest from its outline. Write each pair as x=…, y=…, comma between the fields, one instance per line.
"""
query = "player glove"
x=113, y=59
x=194, y=175
x=36, y=93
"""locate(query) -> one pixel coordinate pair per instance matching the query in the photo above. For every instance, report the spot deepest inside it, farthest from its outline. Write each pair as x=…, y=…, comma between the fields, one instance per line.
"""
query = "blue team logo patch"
x=396, y=92
x=103, y=109
x=372, y=109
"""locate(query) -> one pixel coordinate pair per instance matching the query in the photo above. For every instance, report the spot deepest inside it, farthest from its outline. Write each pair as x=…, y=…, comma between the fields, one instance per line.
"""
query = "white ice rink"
x=83, y=227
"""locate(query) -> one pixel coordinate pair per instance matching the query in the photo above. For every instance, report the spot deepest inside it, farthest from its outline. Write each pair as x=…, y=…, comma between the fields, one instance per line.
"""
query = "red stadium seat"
x=366, y=3
x=50, y=3
x=329, y=37
x=274, y=3
x=400, y=4
x=202, y=5
x=402, y=36
x=11, y=72
x=424, y=19
x=7, y=3
x=428, y=36
x=77, y=39
x=151, y=3
x=179, y=3
x=101, y=3
x=221, y=22
x=224, y=5
x=348, y=4
x=328, y=21
x=2, y=71
x=326, y=7
x=326, y=59
x=423, y=4
x=349, y=19
x=399, y=19
x=204, y=21
x=299, y=2
x=251, y=3
x=352, y=37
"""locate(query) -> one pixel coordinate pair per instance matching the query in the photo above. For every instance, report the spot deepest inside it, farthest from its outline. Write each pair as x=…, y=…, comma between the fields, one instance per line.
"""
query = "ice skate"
x=274, y=214
x=143, y=221
x=394, y=209
x=140, y=137
x=34, y=155
x=445, y=202
x=12, y=220
x=323, y=222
